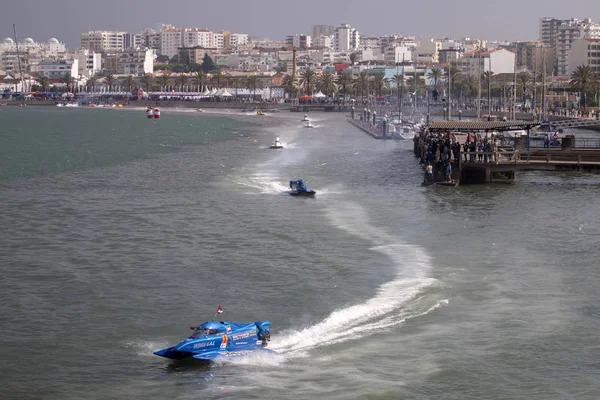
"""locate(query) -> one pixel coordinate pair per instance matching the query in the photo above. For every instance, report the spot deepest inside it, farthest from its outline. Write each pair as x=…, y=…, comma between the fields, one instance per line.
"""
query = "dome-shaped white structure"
x=28, y=41
x=8, y=41
x=53, y=41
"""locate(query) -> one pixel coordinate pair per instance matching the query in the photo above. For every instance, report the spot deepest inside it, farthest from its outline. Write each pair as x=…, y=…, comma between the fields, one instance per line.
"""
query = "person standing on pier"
x=448, y=172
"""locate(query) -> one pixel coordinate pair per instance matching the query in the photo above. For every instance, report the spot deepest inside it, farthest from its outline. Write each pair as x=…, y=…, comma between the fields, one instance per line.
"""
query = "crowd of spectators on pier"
x=440, y=149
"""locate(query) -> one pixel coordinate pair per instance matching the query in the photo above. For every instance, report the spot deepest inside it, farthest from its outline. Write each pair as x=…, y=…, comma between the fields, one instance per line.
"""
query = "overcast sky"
x=507, y=19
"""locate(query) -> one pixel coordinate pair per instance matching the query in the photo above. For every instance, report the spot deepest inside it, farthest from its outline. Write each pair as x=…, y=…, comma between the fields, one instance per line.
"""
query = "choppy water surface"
x=376, y=288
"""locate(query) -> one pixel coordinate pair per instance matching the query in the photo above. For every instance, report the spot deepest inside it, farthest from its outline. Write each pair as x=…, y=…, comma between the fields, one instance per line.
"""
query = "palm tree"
x=110, y=81
x=200, y=79
x=43, y=80
x=66, y=79
x=524, y=81
x=252, y=84
x=236, y=83
x=435, y=74
x=326, y=83
x=308, y=77
x=472, y=85
x=182, y=80
x=146, y=80
x=344, y=80
x=290, y=84
x=581, y=79
x=398, y=81
x=380, y=83
x=455, y=77
x=130, y=83
x=163, y=81
x=218, y=77
x=361, y=84
x=91, y=82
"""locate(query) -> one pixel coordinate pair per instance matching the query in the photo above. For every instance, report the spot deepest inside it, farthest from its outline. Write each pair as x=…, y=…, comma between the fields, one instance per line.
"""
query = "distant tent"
x=319, y=95
x=226, y=93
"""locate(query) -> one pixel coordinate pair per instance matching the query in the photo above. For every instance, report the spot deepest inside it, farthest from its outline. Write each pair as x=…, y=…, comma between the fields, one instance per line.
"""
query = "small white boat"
x=404, y=130
x=309, y=125
x=277, y=144
x=305, y=119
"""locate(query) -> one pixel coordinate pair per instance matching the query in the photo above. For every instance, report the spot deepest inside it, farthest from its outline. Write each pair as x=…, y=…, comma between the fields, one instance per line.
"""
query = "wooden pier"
x=501, y=165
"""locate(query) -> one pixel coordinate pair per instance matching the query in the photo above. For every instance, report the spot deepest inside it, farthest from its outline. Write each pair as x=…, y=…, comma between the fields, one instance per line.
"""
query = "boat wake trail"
x=265, y=183
x=394, y=302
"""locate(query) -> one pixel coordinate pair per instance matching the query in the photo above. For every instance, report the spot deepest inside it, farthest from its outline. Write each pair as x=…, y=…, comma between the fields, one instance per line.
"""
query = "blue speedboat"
x=211, y=340
x=299, y=188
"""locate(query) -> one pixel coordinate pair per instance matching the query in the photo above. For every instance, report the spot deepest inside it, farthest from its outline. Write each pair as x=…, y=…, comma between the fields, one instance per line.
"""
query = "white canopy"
x=219, y=92
x=226, y=93
x=318, y=95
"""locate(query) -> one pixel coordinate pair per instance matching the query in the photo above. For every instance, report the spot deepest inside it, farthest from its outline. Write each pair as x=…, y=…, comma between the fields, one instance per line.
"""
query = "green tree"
x=43, y=80
x=66, y=79
x=146, y=80
x=130, y=83
x=581, y=80
x=251, y=84
x=182, y=80
x=218, y=76
x=91, y=82
x=207, y=63
x=326, y=83
x=344, y=81
x=307, y=77
x=290, y=84
x=110, y=80
x=435, y=75
x=163, y=81
x=380, y=83
x=524, y=82
x=361, y=84
x=200, y=77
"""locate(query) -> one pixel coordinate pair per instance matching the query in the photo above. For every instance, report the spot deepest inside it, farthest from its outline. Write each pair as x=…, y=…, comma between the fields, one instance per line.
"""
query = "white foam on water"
x=146, y=348
x=389, y=306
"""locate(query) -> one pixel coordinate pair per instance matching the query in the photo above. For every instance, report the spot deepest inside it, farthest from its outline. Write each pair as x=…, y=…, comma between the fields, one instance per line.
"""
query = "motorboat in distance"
x=298, y=188
x=276, y=144
x=309, y=125
x=305, y=119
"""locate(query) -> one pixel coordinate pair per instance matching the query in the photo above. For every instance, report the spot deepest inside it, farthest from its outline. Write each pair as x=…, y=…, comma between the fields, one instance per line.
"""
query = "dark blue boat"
x=299, y=188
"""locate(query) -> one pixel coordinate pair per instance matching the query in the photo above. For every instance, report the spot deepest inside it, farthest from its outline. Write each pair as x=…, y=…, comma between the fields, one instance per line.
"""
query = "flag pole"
x=219, y=311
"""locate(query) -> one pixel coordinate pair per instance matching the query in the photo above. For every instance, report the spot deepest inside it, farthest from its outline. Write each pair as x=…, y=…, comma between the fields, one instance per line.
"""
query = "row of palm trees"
x=201, y=79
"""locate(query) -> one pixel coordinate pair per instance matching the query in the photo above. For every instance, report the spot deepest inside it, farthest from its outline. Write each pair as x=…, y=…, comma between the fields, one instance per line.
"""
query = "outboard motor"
x=264, y=331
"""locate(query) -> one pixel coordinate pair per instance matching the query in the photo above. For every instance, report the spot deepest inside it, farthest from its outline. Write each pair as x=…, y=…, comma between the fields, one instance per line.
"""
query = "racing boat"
x=211, y=340
x=305, y=119
x=260, y=113
x=299, y=188
x=277, y=144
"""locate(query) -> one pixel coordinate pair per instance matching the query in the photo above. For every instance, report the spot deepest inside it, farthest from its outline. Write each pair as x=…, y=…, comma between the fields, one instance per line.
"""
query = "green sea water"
x=44, y=140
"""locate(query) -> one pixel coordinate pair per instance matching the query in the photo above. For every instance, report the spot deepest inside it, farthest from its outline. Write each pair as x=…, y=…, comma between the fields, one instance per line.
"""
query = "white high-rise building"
x=218, y=41
x=103, y=40
x=567, y=33
x=171, y=39
x=197, y=37
x=346, y=38
x=88, y=61
x=238, y=39
x=584, y=51
x=323, y=41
